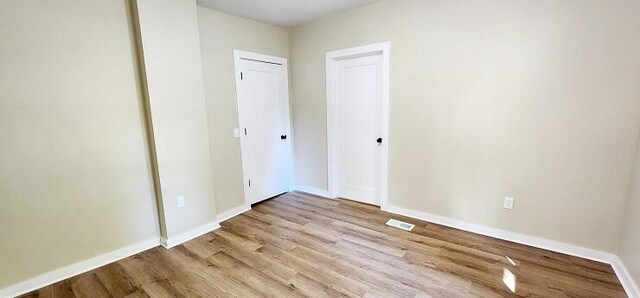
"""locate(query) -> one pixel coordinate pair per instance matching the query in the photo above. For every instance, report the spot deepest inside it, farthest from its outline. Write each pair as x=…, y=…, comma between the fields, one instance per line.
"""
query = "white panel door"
x=359, y=111
x=264, y=129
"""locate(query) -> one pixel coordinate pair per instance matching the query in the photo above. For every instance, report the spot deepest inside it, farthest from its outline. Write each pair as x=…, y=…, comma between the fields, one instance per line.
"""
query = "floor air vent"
x=400, y=224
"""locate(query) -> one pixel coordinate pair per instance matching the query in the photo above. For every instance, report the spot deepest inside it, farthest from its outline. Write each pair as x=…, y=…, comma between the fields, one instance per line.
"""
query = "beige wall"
x=75, y=177
x=173, y=70
x=532, y=99
x=220, y=34
x=630, y=240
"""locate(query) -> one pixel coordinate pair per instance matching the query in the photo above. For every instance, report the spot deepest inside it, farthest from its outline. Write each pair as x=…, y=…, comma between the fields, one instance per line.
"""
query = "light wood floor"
x=298, y=245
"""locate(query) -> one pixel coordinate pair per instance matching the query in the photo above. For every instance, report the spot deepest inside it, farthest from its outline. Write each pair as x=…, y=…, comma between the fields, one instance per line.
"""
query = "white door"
x=359, y=128
x=264, y=128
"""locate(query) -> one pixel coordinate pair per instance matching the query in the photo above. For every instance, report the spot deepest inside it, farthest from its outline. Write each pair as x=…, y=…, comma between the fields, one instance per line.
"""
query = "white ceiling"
x=282, y=12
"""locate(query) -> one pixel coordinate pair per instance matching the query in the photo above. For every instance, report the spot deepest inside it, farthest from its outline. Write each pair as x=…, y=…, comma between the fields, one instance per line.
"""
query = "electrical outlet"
x=508, y=203
x=180, y=201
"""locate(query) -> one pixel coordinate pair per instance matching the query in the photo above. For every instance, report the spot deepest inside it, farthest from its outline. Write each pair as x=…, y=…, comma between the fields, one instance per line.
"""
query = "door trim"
x=239, y=55
x=383, y=48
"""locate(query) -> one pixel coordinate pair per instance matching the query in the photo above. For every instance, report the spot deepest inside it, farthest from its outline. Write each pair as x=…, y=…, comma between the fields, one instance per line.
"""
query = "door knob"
x=283, y=137
x=379, y=140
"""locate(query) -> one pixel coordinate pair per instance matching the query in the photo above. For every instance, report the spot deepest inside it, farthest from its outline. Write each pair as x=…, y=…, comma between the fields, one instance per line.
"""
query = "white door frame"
x=383, y=48
x=239, y=55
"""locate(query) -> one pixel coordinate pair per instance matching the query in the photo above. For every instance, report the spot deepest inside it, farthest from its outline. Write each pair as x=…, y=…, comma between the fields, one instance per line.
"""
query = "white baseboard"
x=627, y=281
x=206, y=228
x=188, y=235
x=623, y=275
x=314, y=191
x=233, y=212
x=54, y=276
x=77, y=268
x=556, y=246
x=203, y=229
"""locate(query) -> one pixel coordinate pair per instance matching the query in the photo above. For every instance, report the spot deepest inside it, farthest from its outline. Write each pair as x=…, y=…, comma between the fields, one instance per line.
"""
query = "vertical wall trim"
x=148, y=121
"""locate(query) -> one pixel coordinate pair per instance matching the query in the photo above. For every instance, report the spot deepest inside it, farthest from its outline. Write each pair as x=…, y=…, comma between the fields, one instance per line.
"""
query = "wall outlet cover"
x=181, y=202
x=508, y=202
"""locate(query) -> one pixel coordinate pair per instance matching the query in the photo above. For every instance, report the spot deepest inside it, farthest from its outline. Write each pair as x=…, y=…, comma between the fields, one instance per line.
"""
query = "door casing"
x=333, y=145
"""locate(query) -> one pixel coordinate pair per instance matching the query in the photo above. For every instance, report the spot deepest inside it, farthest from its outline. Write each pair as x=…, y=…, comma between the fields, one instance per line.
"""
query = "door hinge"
x=241, y=76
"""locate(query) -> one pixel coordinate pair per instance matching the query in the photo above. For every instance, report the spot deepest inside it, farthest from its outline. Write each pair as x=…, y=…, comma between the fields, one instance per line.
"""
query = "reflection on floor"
x=300, y=245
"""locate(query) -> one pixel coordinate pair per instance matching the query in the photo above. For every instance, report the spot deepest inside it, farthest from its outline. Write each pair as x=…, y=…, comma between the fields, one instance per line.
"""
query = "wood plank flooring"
x=298, y=245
